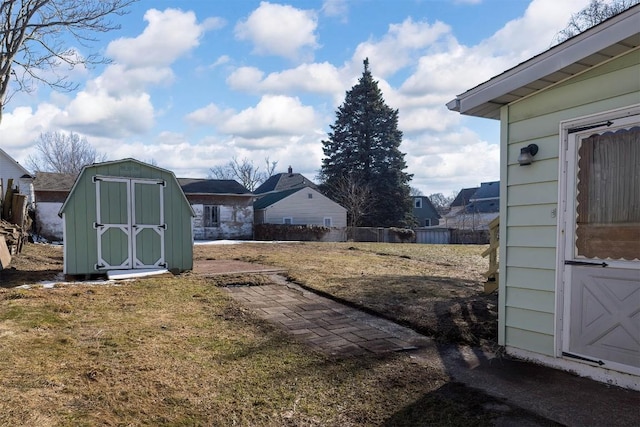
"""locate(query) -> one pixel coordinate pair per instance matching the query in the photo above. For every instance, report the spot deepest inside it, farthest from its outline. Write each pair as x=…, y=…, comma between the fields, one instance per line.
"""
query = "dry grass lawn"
x=178, y=351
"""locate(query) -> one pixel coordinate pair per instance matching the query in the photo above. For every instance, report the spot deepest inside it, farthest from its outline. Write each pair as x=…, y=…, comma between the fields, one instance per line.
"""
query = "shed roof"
x=115, y=162
x=613, y=37
x=53, y=181
x=284, y=181
x=212, y=186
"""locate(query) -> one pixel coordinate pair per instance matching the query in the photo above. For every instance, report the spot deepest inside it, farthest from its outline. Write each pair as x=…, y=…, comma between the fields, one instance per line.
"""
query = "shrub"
x=290, y=232
x=404, y=234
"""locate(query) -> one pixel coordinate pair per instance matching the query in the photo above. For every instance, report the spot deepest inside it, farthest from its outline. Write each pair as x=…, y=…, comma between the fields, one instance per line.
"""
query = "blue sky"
x=195, y=83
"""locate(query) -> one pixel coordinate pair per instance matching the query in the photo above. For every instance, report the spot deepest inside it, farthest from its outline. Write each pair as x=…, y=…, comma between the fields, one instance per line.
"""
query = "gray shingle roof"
x=212, y=186
x=52, y=181
x=271, y=198
x=284, y=181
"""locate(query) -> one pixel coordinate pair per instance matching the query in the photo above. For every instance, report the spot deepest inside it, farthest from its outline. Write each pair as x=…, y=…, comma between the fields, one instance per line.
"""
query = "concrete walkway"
x=336, y=329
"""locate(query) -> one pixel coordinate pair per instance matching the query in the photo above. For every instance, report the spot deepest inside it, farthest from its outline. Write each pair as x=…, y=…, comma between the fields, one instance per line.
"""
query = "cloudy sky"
x=195, y=83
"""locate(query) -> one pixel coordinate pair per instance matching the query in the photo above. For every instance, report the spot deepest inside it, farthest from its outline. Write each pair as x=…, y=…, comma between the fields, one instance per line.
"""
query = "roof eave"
x=484, y=99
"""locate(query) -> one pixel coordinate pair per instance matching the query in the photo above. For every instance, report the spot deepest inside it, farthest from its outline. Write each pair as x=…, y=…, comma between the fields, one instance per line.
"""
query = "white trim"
x=596, y=373
x=65, y=247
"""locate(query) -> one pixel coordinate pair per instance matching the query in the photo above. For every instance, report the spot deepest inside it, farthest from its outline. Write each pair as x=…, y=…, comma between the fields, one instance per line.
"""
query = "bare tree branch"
x=245, y=172
x=594, y=13
x=355, y=196
x=33, y=34
x=62, y=153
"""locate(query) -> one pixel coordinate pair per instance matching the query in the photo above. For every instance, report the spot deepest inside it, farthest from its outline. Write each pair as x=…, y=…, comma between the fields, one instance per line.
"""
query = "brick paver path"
x=327, y=325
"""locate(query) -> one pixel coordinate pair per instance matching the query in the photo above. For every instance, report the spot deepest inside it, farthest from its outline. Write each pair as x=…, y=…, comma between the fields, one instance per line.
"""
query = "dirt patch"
x=36, y=263
x=210, y=268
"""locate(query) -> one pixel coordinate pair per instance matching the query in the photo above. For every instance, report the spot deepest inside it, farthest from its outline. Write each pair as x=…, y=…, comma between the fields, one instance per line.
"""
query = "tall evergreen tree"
x=364, y=145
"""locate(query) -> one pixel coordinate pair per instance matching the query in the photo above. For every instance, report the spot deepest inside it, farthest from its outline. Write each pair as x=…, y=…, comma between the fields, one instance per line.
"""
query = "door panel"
x=148, y=224
x=605, y=314
x=113, y=225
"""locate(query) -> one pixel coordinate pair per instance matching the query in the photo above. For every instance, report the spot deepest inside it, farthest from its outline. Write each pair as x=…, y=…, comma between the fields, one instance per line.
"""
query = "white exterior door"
x=600, y=244
x=129, y=223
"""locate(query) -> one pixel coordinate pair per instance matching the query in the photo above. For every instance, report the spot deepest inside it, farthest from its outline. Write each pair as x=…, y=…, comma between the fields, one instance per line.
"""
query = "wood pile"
x=14, y=236
x=14, y=223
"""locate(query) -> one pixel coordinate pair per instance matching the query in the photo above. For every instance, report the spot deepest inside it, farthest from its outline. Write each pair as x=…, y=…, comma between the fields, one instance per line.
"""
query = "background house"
x=474, y=208
x=223, y=208
x=425, y=214
x=302, y=206
x=51, y=190
x=569, y=292
x=22, y=178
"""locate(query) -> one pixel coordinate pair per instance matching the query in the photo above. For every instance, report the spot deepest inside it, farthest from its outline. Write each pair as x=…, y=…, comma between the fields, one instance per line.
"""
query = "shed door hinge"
x=586, y=359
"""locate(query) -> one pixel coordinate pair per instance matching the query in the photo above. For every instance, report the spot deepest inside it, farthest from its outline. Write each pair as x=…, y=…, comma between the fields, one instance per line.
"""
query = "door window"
x=608, y=196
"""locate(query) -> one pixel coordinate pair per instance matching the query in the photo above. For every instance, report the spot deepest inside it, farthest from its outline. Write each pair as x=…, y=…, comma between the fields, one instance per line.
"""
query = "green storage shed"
x=126, y=216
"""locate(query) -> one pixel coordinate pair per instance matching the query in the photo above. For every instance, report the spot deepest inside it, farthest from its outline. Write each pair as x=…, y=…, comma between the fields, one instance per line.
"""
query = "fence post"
x=492, y=274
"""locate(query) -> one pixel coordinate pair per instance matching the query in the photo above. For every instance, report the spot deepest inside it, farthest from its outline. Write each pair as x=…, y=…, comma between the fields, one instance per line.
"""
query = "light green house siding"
x=80, y=213
x=529, y=208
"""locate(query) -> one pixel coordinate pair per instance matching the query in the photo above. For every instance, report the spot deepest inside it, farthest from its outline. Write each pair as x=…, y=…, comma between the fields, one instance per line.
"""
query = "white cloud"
x=99, y=114
x=281, y=30
x=168, y=35
x=245, y=79
x=399, y=46
x=274, y=115
x=323, y=78
x=449, y=162
x=209, y=115
x=336, y=8
x=117, y=80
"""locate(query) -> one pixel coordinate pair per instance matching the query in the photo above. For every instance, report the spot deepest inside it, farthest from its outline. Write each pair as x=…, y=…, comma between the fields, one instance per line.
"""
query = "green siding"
x=536, y=237
x=542, y=301
x=530, y=194
x=80, y=214
x=530, y=340
x=532, y=215
x=537, y=279
x=535, y=321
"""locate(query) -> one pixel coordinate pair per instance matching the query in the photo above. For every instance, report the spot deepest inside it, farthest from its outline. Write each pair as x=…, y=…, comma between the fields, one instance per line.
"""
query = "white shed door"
x=602, y=246
x=130, y=223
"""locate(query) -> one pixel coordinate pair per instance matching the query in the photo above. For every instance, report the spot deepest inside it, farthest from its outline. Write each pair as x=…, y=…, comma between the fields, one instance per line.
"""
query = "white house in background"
x=223, y=208
x=569, y=292
x=22, y=179
x=51, y=190
x=302, y=206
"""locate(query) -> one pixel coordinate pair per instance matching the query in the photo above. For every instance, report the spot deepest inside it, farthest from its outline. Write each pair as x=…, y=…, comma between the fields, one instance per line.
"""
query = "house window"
x=427, y=222
x=327, y=222
x=417, y=203
x=310, y=195
x=287, y=220
x=211, y=216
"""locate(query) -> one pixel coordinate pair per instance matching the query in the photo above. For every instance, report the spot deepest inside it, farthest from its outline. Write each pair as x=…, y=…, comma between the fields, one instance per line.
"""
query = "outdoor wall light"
x=526, y=154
